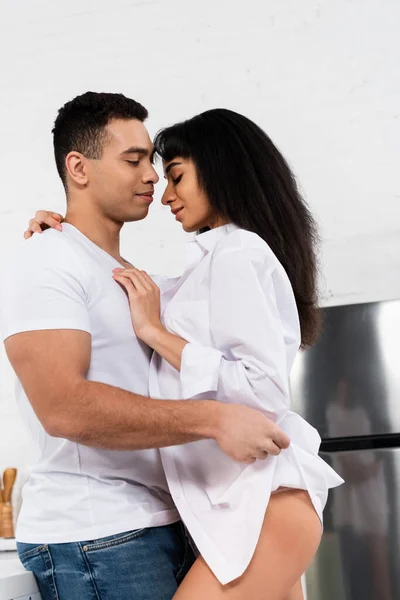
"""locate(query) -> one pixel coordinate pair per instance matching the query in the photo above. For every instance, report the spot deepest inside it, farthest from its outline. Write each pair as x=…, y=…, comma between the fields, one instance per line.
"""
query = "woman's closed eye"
x=177, y=180
x=133, y=162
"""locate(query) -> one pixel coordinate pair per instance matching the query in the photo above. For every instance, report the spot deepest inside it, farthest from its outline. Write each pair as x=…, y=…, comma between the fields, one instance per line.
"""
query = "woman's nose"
x=168, y=197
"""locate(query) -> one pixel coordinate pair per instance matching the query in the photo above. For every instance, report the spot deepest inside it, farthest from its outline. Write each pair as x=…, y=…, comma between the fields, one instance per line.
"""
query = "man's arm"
x=52, y=366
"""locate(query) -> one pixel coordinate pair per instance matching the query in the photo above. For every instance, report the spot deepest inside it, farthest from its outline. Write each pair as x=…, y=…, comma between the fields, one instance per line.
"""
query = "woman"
x=230, y=329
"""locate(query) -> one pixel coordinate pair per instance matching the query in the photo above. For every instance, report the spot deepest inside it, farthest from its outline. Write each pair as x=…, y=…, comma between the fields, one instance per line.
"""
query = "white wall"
x=322, y=78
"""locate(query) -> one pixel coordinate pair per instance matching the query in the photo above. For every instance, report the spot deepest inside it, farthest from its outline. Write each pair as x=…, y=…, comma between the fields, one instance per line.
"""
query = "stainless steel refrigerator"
x=348, y=387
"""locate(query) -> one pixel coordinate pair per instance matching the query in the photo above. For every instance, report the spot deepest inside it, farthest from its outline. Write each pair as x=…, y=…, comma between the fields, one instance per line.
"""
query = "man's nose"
x=151, y=176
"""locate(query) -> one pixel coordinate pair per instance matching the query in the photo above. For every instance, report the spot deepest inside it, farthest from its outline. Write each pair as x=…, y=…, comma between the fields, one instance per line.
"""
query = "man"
x=97, y=518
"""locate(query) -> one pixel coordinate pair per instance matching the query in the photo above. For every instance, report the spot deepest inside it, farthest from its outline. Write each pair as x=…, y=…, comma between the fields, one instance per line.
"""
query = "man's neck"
x=99, y=230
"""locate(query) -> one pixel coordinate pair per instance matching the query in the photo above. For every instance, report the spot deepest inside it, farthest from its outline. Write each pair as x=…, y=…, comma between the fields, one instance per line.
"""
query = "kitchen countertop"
x=10, y=564
x=16, y=583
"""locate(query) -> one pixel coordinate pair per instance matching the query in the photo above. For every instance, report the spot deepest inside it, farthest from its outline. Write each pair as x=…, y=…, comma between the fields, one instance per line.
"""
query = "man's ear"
x=77, y=168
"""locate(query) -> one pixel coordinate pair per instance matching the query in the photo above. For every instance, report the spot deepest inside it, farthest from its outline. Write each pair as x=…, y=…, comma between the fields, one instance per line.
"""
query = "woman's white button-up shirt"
x=235, y=306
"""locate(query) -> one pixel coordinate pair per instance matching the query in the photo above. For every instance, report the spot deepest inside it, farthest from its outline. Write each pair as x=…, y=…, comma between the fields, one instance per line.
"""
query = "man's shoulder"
x=49, y=248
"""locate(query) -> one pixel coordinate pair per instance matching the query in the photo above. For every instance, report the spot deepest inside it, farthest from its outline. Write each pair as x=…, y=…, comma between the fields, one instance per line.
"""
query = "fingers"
x=149, y=280
x=140, y=279
x=127, y=285
x=45, y=217
x=272, y=448
x=269, y=449
x=273, y=445
x=281, y=439
x=35, y=227
x=260, y=455
x=42, y=220
x=133, y=278
x=57, y=216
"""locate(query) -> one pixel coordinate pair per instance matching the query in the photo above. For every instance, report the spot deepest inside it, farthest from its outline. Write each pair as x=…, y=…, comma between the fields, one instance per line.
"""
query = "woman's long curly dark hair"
x=248, y=182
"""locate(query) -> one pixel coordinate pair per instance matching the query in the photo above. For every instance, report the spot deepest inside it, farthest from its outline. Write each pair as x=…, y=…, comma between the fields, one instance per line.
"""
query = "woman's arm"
x=248, y=361
x=167, y=345
x=144, y=299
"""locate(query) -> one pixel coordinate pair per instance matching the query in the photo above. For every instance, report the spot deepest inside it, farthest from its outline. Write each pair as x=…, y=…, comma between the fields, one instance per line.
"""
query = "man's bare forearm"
x=104, y=416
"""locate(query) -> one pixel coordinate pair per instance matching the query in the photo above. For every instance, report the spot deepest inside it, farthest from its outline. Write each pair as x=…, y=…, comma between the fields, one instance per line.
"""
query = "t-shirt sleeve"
x=42, y=287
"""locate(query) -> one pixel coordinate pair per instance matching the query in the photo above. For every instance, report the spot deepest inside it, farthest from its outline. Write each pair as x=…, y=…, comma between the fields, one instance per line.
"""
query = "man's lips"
x=148, y=196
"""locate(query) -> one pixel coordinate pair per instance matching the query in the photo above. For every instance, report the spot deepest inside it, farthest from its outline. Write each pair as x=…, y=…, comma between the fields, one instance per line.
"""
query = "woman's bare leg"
x=289, y=539
x=296, y=593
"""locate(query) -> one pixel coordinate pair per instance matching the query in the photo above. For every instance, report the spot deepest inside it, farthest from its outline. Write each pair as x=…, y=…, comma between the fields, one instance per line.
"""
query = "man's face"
x=121, y=183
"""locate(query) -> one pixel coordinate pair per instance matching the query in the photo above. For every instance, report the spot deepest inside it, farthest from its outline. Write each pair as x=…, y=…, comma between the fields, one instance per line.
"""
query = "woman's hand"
x=42, y=220
x=144, y=300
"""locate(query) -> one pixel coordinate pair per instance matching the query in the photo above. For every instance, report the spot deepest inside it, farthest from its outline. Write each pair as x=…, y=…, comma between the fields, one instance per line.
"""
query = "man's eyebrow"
x=137, y=150
x=173, y=164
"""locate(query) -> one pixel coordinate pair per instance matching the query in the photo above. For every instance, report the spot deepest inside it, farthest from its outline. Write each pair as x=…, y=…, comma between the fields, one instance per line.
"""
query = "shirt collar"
x=209, y=239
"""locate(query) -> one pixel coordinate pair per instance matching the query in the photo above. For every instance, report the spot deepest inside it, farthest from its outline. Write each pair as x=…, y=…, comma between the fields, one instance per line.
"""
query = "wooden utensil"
x=9, y=477
x=6, y=516
x=1, y=508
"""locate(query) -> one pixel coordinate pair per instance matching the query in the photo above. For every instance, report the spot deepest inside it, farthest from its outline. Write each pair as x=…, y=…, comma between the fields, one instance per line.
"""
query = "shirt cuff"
x=200, y=367
x=44, y=324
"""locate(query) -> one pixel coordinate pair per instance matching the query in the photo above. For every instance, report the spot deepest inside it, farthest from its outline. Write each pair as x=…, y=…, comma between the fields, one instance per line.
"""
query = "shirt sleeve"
x=42, y=288
x=247, y=364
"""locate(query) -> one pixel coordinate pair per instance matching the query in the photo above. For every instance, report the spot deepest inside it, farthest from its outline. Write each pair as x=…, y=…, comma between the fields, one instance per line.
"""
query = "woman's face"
x=186, y=199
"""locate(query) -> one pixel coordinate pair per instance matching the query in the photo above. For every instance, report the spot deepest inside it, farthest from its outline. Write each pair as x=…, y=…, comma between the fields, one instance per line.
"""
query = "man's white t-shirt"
x=62, y=280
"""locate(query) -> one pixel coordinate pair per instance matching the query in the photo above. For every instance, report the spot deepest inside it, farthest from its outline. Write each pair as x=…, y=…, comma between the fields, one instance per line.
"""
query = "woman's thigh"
x=289, y=539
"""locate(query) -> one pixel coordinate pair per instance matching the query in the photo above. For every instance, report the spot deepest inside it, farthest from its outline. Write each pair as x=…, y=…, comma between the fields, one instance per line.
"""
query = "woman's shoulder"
x=242, y=242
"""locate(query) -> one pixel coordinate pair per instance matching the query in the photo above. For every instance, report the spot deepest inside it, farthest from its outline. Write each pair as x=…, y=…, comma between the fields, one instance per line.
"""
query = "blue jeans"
x=145, y=564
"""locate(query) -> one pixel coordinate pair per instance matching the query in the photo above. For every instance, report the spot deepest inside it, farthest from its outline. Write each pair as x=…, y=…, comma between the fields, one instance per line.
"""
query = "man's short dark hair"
x=81, y=124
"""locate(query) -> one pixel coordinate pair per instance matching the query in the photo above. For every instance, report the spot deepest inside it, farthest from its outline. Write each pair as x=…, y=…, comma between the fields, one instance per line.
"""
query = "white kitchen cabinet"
x=16, y=583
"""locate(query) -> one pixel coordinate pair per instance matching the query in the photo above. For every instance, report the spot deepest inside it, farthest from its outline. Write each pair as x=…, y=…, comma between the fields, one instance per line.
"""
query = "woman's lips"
x=178, y=213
